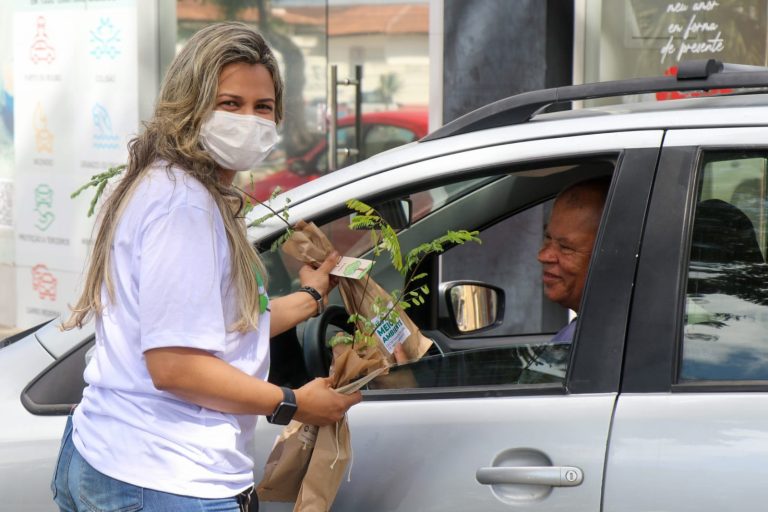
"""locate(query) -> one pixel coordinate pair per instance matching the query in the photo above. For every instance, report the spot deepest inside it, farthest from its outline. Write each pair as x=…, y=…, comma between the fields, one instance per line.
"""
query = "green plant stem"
x=265, y=205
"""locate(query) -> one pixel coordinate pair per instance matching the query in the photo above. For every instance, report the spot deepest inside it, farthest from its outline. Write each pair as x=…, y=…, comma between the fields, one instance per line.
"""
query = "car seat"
x=722, y=233
x=724, y=246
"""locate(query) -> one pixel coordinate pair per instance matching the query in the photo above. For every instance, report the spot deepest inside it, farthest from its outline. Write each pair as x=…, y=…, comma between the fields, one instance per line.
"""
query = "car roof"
x=749, y=110
x=459, y=135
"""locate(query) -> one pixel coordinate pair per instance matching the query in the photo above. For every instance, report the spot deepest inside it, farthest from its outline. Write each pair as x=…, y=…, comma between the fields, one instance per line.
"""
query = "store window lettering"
x=43, y=136
x=41, y=50
x=39, y=239
x=44, y=282
x=43, y=162
x=697, y=6
x=103, y=136
x=44, y=206
x=105, y=39
x=682, y=31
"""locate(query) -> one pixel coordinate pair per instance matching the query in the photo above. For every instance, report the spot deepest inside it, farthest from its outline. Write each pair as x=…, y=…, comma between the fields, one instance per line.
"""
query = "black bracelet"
x=315, y=295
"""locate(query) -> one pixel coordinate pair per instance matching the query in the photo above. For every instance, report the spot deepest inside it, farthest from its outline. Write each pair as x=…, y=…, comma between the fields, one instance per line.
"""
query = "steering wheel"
x=317, y=332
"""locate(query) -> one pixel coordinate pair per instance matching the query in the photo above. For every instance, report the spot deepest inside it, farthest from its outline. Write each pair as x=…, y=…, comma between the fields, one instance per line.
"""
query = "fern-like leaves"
x=384, y=238
x=99, y=181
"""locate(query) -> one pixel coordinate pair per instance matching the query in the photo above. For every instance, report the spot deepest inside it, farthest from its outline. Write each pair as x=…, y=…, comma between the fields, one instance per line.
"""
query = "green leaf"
x=341, y=339
x=260, y=220
x=359, y=206
x=393, y=245
x=100, y=182
x=361, y=222
x=438, y=245
x=281, y=240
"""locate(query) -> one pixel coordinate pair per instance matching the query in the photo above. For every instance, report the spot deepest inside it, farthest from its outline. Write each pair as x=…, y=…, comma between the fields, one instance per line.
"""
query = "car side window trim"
x=656, y=303
x=378, y=395
x=596, y=364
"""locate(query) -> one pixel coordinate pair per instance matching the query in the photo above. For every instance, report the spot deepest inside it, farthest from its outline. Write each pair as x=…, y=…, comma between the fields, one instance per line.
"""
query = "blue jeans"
x=77, y=486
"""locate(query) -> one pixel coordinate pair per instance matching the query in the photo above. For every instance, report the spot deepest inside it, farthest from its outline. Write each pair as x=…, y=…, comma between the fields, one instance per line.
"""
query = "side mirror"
x=396, y=212
x=473, y=306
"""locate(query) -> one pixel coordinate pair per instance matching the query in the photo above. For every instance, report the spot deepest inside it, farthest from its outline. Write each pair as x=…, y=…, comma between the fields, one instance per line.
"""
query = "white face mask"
x=238, y=142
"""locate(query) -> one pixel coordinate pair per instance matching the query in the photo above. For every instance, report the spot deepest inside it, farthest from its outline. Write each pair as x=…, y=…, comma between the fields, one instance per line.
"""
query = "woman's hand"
x=320, y=405
x=290, y=310
x=319, y=278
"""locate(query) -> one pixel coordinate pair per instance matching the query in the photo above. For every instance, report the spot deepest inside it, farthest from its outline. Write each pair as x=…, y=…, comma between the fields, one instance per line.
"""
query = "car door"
x=691, y=424
x=480, y=425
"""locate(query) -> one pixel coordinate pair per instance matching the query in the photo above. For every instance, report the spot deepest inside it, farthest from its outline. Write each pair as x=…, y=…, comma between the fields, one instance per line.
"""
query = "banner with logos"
x=76, y=107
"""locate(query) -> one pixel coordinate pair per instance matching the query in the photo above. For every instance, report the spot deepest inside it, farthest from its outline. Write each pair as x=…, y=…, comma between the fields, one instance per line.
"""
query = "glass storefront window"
x=637, y=38
x=388, y=38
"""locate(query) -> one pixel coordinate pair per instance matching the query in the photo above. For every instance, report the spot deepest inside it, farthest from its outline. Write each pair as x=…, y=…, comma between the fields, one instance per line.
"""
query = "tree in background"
x=389, y=84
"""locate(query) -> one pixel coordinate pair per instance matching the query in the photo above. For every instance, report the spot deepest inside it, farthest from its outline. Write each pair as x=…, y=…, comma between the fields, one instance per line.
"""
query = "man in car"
x=568, y=242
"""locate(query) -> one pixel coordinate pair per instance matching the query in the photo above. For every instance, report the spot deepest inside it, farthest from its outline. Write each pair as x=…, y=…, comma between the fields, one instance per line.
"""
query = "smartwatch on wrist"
x=315, y=295
x=283, y=413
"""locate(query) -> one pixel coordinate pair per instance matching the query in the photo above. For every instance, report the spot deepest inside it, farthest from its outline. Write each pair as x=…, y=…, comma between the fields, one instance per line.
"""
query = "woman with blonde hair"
x=178, y=372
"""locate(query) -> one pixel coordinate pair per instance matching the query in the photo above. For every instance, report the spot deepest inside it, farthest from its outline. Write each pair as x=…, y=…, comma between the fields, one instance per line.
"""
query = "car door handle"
x=553, y=476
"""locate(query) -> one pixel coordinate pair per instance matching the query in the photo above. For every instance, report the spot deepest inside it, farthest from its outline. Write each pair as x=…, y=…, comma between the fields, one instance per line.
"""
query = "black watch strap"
x=315, y=295
x=283, y=413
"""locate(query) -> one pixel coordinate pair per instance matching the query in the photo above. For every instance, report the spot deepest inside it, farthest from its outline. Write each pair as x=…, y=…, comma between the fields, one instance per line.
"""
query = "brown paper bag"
x=321, y=474
x=326, y=468
x=291, y=457
x=287, y=463
x=333, y=448
x=309, y=244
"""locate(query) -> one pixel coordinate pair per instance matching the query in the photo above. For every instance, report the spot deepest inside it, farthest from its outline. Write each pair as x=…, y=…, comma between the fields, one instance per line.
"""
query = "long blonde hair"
x=186, y=98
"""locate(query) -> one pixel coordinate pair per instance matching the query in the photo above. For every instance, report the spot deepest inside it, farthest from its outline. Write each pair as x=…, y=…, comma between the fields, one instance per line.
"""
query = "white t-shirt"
x=171, y=270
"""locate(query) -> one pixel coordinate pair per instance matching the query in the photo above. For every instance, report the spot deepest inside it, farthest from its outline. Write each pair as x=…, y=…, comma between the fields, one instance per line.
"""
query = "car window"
x=381, y=137
x=726, y=310
x=541, y=363
x=510, y=211
x=283, y=271
x=511, y=267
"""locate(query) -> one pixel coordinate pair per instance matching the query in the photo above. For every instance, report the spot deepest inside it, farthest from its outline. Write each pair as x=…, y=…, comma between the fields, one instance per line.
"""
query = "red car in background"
x=381, y=131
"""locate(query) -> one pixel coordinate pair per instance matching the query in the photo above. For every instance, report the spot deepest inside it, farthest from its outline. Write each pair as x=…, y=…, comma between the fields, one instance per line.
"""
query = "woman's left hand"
x=319, y=278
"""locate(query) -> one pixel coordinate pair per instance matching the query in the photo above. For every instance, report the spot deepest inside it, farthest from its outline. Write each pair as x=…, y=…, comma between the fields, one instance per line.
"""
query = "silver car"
x=658, y=404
